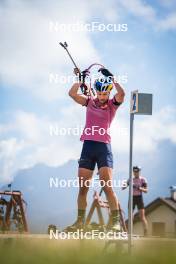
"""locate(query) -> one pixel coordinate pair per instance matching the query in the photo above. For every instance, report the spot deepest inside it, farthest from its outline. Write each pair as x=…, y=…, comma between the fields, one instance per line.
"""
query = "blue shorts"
x=95, y=152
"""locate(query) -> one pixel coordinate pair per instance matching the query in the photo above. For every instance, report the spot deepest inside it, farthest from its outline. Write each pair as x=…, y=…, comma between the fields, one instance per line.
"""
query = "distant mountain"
x=58, y=205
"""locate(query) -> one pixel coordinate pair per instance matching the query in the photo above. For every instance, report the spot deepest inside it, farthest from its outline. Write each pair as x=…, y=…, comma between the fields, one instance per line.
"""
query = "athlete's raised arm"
x=119, y=96
x=78, y=98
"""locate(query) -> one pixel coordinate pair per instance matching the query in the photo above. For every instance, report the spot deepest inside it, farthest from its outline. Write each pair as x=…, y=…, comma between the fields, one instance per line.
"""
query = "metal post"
x=130, y=202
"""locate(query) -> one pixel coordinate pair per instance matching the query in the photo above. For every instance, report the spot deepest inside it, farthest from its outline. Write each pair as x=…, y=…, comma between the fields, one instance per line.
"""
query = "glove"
x=105, y=72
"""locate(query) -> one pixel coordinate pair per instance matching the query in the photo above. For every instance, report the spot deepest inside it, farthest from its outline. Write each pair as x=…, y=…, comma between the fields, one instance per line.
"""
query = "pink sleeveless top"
x=98, y=120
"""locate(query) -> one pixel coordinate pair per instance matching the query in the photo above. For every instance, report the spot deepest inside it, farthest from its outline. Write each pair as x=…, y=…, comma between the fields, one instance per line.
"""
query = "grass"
x=32, y=250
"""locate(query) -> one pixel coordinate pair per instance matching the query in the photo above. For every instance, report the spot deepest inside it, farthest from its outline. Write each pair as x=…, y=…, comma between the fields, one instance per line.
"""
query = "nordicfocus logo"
x=93, y=234
x=55, y=182
x=57, y=78
x=94, y=26
x=56, y=130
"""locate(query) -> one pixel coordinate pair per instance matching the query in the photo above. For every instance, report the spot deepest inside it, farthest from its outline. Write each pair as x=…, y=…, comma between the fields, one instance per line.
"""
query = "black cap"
x=136, y=168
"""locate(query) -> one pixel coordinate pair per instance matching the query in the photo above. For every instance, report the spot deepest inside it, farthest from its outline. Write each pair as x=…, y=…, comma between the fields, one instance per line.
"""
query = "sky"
x=31, y=102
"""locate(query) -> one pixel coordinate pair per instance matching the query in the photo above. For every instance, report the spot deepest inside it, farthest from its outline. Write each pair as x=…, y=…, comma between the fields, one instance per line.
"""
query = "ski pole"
x=65, y=46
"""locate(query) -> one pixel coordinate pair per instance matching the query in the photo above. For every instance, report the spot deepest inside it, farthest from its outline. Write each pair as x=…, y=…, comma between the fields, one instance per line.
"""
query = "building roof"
x=156, y=203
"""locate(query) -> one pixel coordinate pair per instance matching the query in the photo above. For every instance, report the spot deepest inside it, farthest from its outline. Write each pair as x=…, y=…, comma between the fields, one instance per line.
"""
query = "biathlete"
x=97, y=144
